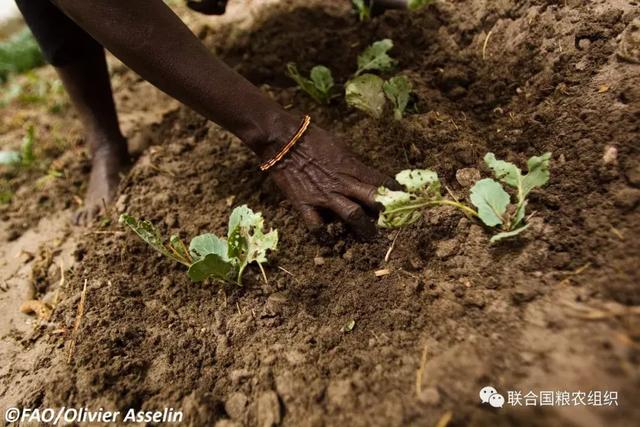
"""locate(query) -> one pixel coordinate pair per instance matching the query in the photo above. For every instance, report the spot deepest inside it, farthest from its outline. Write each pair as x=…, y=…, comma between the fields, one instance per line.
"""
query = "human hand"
x=321, y=172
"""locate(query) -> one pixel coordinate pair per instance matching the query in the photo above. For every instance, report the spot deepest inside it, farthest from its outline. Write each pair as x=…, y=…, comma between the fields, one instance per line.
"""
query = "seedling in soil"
x=419, y=4
x=398, y=91
x=19, y=53
x=23, y=158
x=375, y=57
x=423, y=190
x=494, y=203
x=364, y=11
x=487, y=195
x=211, y=256
x=365, y=93
x=318, y=86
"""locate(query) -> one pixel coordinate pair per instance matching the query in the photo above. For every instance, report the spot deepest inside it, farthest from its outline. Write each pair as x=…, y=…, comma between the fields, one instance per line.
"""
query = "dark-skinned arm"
x=320, y=172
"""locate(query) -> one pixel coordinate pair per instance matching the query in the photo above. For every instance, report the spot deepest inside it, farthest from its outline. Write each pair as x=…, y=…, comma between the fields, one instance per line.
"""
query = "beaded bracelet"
x=287, y=147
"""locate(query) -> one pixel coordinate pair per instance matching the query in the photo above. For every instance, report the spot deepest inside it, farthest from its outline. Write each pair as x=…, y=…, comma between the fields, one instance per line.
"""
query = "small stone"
x=238, y=375
x=466, y=177
x=236, y=405
x=121, y=203
x=633, y=175
x=610, y=156
x=447, y=248
x=269, y=414
x=429, y=396
x=318, y=260
x=627, y=198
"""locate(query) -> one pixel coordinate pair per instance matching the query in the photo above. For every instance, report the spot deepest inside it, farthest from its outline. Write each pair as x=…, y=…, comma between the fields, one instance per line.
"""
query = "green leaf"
x=415, y=180
x=418, y=4
x=348, y=327
x=27, y=157
x=399, y=208
x=364, y=12
x=318, y=86
x=19, y=53
x=491, y=200
x=538, y=173
x=507, y=234
x=206, y=244
x=247, y=240
x=322, y=80
x=9, y=157
x=211, y=265
x=397, y=89
x=365, y=93
x=147, y=232
x=375, y=57
x=506, y=172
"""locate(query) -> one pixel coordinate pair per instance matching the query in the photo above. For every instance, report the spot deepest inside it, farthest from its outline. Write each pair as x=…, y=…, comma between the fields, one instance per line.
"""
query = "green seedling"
x=494, y=203
x=24, y=158
x=398, y=91
x=210, y=256
x=19, y=53
x=364, y=11
x=365, y=93
x=375, y=57
x=423, y=190
x=318, y=86
x=419, y=4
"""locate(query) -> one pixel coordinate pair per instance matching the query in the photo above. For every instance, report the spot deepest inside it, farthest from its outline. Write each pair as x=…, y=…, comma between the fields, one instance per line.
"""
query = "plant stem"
x=464, y=208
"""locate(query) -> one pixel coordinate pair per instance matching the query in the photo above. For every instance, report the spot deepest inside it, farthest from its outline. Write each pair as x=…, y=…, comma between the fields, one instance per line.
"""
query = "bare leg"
x=87, y=82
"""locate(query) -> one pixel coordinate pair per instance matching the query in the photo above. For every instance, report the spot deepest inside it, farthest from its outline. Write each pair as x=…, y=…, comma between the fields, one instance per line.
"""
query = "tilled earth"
x=553, y=310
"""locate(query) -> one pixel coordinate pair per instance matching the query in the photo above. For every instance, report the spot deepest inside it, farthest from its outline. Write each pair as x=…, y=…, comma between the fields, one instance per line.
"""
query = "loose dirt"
x=555, y=309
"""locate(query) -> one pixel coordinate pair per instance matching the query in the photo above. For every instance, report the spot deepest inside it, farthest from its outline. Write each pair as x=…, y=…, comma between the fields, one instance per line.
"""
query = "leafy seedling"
x=318, y=86
x=210, y=256
x=365, y=93
x=24, y=158
x=375, y=57
x=423, y=190
x=494, y=203
x=364, y=11
x=19, y=53
x=418, y=4
x=398, y=91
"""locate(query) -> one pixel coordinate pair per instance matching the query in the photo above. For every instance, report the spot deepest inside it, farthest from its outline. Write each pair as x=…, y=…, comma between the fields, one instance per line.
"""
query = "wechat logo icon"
x=491, y=396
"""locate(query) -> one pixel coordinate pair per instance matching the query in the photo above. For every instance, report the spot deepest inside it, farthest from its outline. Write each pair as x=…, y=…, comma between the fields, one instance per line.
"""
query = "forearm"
x=149, y=38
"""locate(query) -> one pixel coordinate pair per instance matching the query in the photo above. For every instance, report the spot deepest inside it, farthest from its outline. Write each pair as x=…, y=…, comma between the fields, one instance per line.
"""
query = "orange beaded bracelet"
x=287, y=147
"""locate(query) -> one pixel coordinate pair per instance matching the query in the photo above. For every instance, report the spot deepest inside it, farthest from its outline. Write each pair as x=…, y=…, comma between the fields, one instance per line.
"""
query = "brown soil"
x=553, y=310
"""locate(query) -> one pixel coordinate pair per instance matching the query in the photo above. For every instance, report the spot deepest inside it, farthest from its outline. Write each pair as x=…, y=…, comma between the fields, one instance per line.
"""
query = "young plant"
x=23, y=158
x=423, y=190
x=398, y=90
x=365, y=93
x=494, y=203
x=364, y=11
x=375, y=57
x=418, y=4
x=212, y=256
x=19, y=53
x=318, y=86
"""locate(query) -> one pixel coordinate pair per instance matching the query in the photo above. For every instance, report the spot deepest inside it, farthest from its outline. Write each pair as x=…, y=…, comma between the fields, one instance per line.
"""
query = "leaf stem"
x=464, y=208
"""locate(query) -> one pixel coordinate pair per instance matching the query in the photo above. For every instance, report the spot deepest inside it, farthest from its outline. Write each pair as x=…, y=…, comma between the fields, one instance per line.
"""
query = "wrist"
x=273, y=131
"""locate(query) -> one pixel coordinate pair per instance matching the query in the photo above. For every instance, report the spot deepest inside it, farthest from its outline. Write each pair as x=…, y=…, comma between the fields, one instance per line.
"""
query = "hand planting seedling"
x=212, y=256
x=487, y=195
x=318, y=86
x=494, y=203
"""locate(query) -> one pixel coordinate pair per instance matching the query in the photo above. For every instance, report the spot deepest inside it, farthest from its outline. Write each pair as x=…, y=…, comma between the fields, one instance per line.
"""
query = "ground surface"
x=555, y=310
